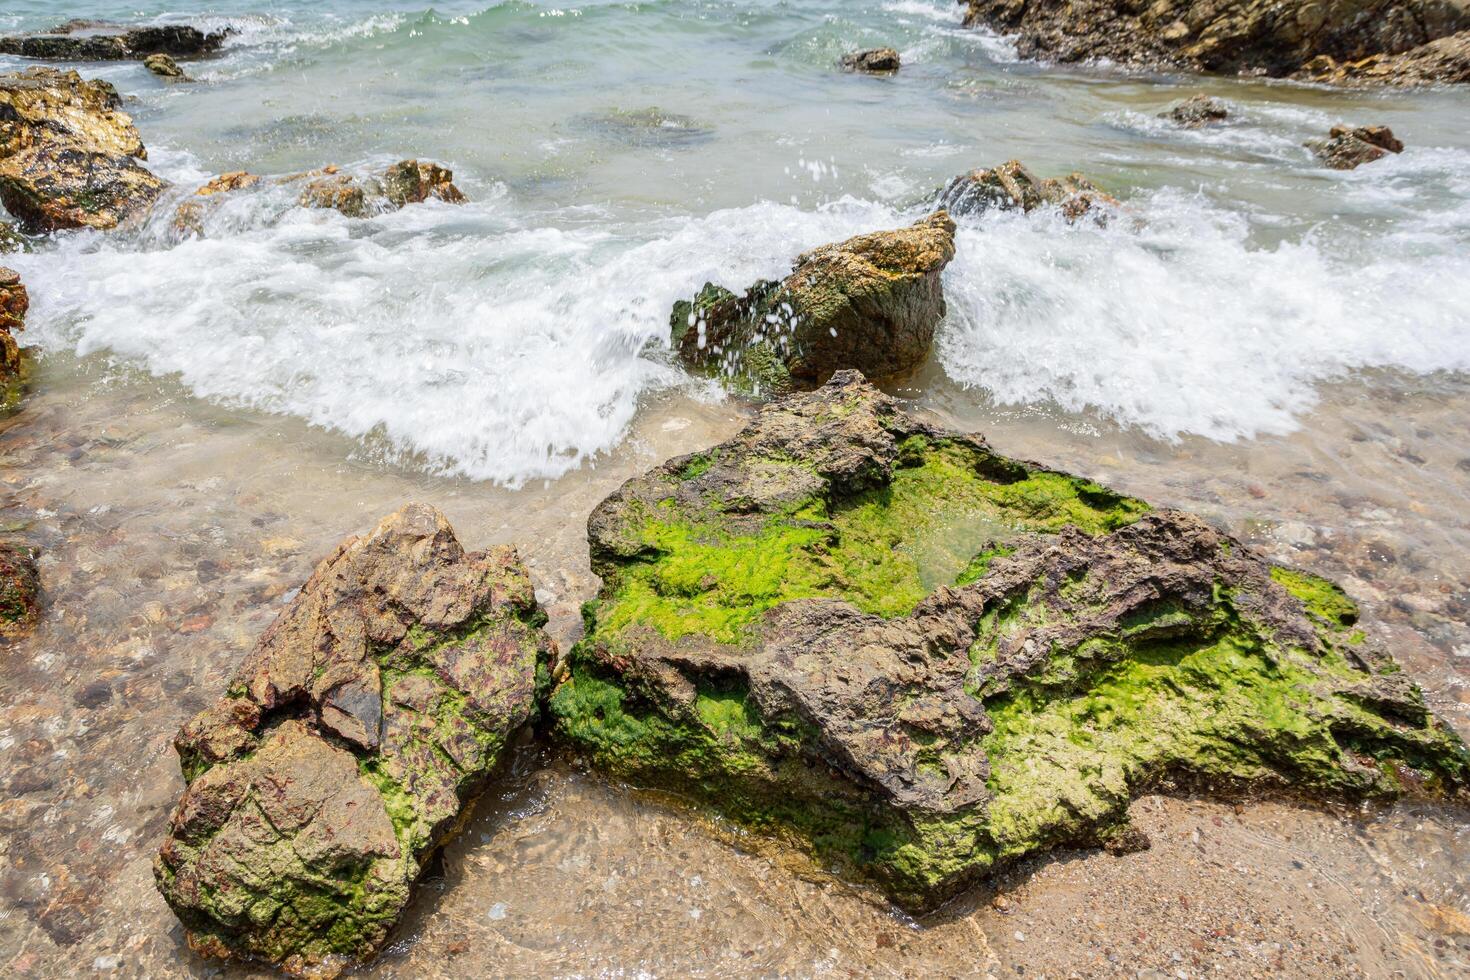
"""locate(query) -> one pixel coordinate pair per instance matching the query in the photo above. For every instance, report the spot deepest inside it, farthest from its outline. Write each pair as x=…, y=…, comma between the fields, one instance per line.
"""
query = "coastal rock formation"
x=164, y=67
x=924, y=659
x=1263, y=37
x=348, y=744
x=20, y=590
x=870, y=303
x=406, y=182
x=1197, y=111
x=1011, y=186
x=14, y=302
x=68, y=155
x=1444, y=60
x=1348, y=147
x=88, y=41
x=874, y=61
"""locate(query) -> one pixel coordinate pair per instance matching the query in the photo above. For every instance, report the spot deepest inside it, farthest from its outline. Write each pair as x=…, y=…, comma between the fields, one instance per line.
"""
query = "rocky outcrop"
x=68, y=155
x=1257, y=37
x=874, y=61
x=925, y=659
x=1196, y=112
x=1348, y=147
x=1445, y=60
x=1012, y=187
x=348, y=744
x=87, y=41
x=406, y=182
x=164, y=67
x=20, y=590
x=14, y=302
x=870, y=303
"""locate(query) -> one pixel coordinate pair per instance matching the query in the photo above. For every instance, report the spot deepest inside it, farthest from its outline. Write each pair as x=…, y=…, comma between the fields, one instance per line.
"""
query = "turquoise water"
x=618, y=155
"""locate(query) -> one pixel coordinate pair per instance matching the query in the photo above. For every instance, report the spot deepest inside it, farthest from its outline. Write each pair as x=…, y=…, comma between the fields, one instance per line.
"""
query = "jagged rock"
x=1235, y=36
x=1441, y=61
x=68, y=156
x=414, y=182
x=1011, y=186
x=871, y=303
x=164, y=66
x=872, y=61
x=91, y=41
x=11, y=240
x=1197, y=111
x=348, y=744
x=1351, y=146
x=20, y=590
x=14, y=302
x=406, y=182
x=854, y=628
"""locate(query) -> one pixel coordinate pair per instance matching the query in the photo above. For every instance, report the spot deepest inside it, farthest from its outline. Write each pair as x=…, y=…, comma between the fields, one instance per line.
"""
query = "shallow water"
x=1277, y=346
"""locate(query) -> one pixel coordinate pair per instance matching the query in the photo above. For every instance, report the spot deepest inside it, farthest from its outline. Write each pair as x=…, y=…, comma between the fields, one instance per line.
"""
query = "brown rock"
x=1197, y=111
x=20, y=590
x=14, y=302
x=164, y=66
x=1012, y=187
x=1348, y=147
x=874, y=61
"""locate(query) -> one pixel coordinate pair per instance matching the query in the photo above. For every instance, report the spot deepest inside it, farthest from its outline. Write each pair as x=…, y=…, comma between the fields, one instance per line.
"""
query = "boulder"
x=91, y=41
x=164, y=67
x=14, y=302
x=68, y=155
x=1197, y=111
x=346, y=748
x=414, y=182
x=20, y=590
x=870, y=303
x=1255, y=37
x=1012, y=187
x=874, y=61
x=406, y=182
x=1347, y=147
x=923, y=659
x=1445, y=60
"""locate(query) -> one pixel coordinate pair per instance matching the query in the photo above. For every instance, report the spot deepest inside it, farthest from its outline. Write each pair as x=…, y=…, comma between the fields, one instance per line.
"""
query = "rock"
x=68, y=156
x=14, y=302
x=1255, y=37
x=236, y=180
x=873, y=61
x=851, y=627
x=164, y=66
x=1444, y=60
x=20, y=590
x=1197, y=111
x=12, y=240
x=1348, y=147
x=406, y=182
x=1011, y=186
x=88, y=41
x=413, y=182
x=348, y=744
x=870, y=303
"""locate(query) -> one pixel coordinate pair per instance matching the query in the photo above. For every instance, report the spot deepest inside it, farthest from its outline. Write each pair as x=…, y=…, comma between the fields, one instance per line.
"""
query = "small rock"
x=1012, y=187
x=874, y=61
x=1197, y=111
x=1348, y=147
x=20, y=590
x=164, y=66
x=1129, y=840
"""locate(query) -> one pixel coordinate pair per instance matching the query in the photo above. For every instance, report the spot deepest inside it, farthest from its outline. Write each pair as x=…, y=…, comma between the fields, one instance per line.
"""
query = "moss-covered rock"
x=165, y=67
x=348, y=744
x=14, y=302
x=923, y=659
x=870, y=303
x=1011, y=187
x=20, y=590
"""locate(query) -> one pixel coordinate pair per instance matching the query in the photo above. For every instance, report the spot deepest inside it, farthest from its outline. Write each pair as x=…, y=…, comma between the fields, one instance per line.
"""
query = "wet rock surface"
x=1013, y=187
x=1237, y=36
x=1197, y=111
x=164, y=66
x=1445, y=60
x=92, y=41
x=927, y=660
x=20, y=589
x=1348, y=147
x=346, y=747
x=68, y=154
x=869, y=303
x=874, y=61
x=14, y=302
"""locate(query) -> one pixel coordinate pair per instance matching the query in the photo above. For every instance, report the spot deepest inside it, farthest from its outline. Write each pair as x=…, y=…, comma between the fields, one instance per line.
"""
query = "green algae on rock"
x=870, y=303
x=20, y=590
x=347, y=745
x=922, y=659
x=14, y=302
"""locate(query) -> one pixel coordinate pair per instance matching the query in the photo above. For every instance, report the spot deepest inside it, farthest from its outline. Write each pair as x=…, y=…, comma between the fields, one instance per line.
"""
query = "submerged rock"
x=1347, y=147
x=164, y=66
x=1011, y=186
x=90, y=41
x=1237, y=36
x=925, y=659
x=871, y=303
x=14, y=302
x=1197, y=111
x=349, y=742
x=874, y=61
x=68, y=156
x=20, y=590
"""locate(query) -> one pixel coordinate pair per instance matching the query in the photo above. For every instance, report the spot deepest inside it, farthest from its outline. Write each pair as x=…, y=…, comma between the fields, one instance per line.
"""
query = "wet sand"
x=173, y=531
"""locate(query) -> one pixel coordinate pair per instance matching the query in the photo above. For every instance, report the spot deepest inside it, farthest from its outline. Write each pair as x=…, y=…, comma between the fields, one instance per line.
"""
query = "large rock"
x=1347, y=147
x=68, y=155
x=1237, y=36
x=14, y=302
x=926, y=659
x=870, y=303
x=87, y=41
x=1011, y=187
x=348, y=744
x=20, y=590
x=1443, y=60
